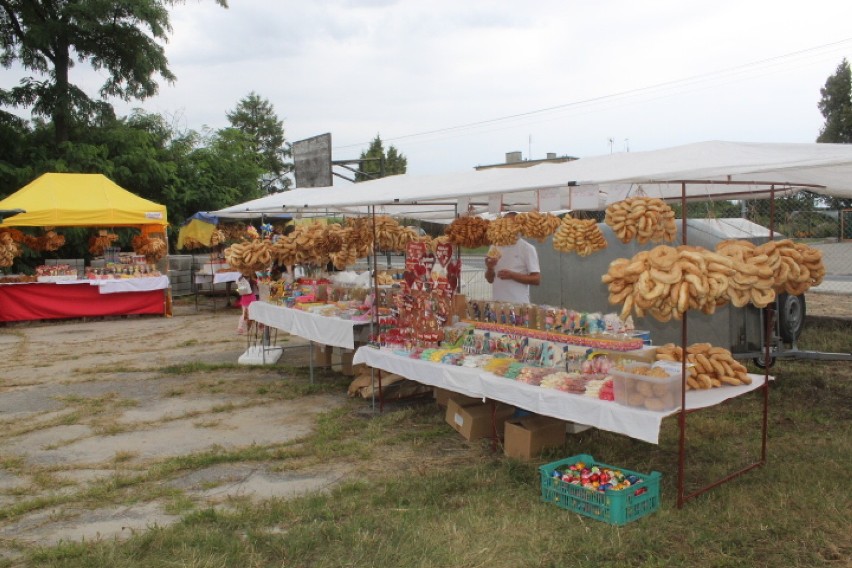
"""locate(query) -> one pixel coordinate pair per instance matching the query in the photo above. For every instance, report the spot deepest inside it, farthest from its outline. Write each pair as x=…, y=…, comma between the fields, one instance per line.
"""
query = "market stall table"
x=83, y=298
x=213, y=278
x=636, y=423
x=325, y=330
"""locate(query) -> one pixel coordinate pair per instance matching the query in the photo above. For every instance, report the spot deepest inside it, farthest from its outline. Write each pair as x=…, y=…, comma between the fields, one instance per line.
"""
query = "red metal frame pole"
x=681, y=420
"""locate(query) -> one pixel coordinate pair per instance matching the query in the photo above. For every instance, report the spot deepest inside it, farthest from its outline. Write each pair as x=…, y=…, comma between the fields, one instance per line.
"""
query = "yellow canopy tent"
x=80, y=200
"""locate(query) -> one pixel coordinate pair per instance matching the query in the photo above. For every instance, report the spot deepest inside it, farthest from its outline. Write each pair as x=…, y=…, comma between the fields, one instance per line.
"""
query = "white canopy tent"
x=707, y=170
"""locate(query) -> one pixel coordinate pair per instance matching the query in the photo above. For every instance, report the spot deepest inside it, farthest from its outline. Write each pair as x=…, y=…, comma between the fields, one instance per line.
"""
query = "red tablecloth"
x=38, y=301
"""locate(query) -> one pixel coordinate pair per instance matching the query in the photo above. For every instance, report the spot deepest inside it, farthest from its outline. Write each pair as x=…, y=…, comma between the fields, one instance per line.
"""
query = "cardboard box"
x=442, y=396
x=322, y=355
x=346, y=356
x=526, y=437
x=474, y=421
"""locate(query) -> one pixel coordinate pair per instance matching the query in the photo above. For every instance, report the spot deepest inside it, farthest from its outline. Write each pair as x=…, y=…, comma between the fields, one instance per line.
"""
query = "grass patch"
x=417, y=495
x=199, y=367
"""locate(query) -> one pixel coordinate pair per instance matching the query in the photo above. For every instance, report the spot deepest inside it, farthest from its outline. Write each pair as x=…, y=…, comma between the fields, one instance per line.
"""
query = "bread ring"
x=669, y=275
x=697, y=282
x=627, y=308
x=683, y=298
x=662, y=315
x=663, y=257
x=739, y=298
x=762, y=298
x=617, y=266
x=659, y=289
x=619, y=297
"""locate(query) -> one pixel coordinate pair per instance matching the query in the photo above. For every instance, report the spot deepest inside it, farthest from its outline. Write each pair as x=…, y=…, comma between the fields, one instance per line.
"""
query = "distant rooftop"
x=515, y=160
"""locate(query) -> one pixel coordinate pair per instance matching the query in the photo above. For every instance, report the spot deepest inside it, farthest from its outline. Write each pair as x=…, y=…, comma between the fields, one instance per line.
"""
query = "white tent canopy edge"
x=709, y=170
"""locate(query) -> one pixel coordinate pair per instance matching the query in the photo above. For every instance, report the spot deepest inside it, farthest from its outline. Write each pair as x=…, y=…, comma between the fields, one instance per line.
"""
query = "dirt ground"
x=82, y=402
x=833, y=305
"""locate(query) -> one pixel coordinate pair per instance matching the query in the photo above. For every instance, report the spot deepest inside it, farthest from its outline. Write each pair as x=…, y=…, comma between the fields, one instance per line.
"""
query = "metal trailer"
x=573, y=281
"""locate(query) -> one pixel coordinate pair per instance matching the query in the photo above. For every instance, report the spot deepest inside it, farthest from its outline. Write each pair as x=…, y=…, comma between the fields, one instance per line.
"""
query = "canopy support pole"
x=682, y=496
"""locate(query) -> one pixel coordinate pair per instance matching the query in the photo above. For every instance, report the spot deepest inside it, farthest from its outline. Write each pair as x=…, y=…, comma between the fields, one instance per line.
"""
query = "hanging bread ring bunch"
x=808, y=260
x=307, y=238
x=417, y=238
x=233, y=232
x=468, y=232
x=154, y=248
x=642, y=218
x=535, y=225
x=666, y=282
x=9, y=248
x=389, y=233
x=764, y=271
x=582, y=236
x=218, y=237
x=753, y=280
x=710, y=366
x=412, y=235
x=331, y=239
x=191, y=244
x=348, y=254
x=284, y=251
x=434, y=243
x=361, y=237
x=249, y=256
x=50, y=241
x=101, y=241
x=503, y=231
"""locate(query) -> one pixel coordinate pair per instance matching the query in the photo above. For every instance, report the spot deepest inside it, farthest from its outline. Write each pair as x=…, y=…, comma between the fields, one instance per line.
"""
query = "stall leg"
x=311, y=360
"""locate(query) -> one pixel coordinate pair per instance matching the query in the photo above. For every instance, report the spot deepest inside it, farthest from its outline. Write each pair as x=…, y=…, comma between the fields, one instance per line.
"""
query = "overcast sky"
x=458, y=83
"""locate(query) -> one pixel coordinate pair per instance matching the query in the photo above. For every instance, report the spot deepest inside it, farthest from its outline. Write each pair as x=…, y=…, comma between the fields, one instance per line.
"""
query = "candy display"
x=611, y=494
x=595, y=477
x=624, y=343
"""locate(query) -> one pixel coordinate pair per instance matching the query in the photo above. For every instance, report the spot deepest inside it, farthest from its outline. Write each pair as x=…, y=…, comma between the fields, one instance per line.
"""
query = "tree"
x=836, y=106
x=218, y=171
x=380, y=164
x=118, y=38
x=256, y=118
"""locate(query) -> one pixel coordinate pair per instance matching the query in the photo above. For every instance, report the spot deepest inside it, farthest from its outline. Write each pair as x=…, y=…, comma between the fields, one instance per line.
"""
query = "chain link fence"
x=824, y=224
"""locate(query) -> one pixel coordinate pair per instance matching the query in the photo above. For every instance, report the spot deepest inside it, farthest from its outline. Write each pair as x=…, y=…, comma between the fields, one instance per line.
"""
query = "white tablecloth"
x=321, y=329
x=118, y=285
x=222, y=277
x=607, y=415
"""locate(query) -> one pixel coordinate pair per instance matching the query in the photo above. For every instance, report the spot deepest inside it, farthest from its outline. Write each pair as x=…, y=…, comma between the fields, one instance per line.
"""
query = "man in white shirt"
x=513, y=272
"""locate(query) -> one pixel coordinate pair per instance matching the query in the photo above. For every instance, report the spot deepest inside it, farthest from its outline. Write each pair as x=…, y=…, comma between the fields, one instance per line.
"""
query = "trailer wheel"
x=791, y=316
x=761, y=362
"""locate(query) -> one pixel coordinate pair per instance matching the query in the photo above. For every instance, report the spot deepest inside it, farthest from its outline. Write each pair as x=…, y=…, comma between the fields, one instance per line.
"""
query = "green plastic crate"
x=613, y=507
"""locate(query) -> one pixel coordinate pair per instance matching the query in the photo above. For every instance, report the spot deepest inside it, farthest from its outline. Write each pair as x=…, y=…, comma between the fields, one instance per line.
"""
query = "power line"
x=621, y=94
